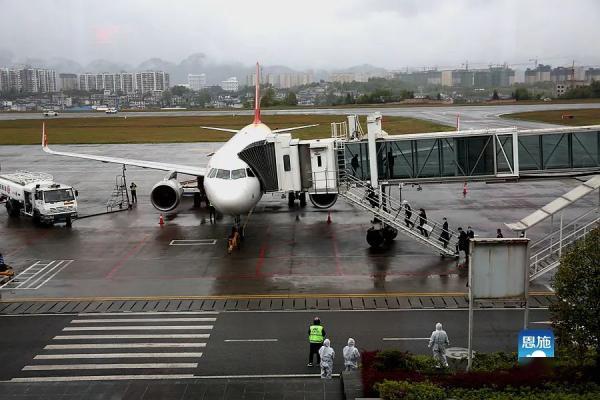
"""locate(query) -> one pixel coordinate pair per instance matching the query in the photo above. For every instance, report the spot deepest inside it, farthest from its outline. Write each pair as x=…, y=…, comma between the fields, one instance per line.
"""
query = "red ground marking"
x=261, y=253
x=130, y=253
x=28, y=242
x=336, y=253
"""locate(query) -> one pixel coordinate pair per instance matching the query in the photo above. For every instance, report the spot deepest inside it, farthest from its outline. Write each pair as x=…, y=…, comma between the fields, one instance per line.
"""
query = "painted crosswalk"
x=36, y=275
x=112, y=346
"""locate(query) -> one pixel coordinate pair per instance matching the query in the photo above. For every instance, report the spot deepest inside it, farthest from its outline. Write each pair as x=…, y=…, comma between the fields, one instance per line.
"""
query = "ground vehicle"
x=50, y=113
x=36, y=195
x=111, y=110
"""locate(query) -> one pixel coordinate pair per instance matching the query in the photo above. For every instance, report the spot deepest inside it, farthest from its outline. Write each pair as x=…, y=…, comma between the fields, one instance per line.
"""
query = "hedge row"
x=403, y=390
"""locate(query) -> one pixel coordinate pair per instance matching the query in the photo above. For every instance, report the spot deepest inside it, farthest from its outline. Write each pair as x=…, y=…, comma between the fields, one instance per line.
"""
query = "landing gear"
x=237, y=233
x=293, y=196
x=377, y=237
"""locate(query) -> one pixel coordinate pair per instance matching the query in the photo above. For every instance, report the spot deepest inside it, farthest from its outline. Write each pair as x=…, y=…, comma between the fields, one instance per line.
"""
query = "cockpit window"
x=238, y=173
x=223, y=174
x=212, y=173
x=250, y=172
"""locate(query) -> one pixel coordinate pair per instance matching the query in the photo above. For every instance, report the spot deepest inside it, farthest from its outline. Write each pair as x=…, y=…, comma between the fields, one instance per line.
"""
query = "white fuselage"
x=230, y=184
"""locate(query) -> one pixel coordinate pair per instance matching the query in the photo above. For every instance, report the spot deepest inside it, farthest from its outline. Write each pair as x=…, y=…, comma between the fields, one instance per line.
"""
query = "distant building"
x=540, y=74
x=68, y=81
x=560, y=88
x=197, y=81
x=28, y=80
x=151, y=81
x=231, y=84
x=289, y=79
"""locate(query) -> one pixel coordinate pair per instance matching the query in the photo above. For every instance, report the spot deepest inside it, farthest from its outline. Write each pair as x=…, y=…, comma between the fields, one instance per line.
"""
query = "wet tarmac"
x=286, y=251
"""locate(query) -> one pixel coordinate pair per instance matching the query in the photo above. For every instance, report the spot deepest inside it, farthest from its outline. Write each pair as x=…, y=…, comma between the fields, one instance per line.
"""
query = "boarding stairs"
x=392, y=213
x=545, y=254
x=119, y=198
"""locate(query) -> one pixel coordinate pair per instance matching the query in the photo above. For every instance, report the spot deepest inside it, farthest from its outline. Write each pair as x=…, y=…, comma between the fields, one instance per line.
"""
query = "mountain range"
x=194, y=64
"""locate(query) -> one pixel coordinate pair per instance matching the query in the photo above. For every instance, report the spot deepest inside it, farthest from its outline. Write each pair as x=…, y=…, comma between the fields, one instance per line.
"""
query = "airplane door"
x=318, y=161
x=28, y=203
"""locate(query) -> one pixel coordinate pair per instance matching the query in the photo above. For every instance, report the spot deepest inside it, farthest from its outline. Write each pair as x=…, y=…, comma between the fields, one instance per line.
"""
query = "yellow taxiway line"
x=253, y=296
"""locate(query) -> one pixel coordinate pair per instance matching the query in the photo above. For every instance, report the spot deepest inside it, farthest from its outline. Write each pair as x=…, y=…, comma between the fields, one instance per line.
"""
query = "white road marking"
x=120, y=346
x=127, y=313
x=542, y=322
x=148, y=336
x=250, y=340
x=116, y=355
x=196, y=242
x=389, y=339
x=134, y=320
x=137, y=328
x=36, y=273
x=100, y=378
x=61, y=367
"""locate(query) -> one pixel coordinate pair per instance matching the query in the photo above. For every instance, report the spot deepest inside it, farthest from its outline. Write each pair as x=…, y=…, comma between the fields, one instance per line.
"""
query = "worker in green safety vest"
x=316, y=336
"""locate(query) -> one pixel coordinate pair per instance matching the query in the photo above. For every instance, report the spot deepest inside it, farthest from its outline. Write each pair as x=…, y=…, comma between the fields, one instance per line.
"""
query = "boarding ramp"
x=545, y=254
x=393, y=213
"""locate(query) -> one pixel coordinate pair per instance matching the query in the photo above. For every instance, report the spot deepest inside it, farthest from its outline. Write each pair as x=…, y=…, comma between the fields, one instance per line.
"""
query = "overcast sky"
x=306, y=33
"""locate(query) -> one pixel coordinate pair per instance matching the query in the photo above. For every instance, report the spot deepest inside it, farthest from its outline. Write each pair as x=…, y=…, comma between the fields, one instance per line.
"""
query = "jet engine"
x=323, y=200
x=166, y=195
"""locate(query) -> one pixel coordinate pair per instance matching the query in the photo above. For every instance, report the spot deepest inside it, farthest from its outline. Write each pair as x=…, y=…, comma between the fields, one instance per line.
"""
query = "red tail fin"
x=257, y=96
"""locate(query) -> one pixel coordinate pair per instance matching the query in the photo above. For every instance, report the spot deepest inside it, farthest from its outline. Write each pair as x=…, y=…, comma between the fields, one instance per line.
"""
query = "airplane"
x=230, y=184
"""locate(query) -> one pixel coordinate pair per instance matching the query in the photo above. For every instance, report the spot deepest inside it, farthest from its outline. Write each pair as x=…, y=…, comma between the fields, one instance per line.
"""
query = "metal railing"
x=548, y=258
x=394, y=213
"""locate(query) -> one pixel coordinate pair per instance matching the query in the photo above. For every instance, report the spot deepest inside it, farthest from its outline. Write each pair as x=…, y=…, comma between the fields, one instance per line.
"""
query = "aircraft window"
x=238, y=173
x=223, y=174
x=212, y=173
x=318, y=161
x=250, y=172
x=286, y=163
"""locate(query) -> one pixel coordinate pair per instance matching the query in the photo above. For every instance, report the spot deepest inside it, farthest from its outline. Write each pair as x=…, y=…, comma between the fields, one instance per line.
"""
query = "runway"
x=471, y=117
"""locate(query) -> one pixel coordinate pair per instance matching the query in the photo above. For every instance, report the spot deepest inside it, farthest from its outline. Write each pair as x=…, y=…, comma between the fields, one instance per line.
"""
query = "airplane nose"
x=230, y=197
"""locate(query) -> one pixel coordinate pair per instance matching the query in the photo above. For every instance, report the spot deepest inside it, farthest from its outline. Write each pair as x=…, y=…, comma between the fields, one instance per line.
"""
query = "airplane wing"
x=293, y=129
x=214, y=128
x=183, y=169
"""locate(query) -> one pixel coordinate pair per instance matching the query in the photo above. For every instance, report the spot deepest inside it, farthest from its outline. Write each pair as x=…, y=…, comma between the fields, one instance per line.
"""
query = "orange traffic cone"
x=329, y=217
x=161, y=220
x=465, y=189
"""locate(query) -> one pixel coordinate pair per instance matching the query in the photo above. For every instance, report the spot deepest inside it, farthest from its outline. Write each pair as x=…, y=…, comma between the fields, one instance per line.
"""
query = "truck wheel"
x=303, y=199
x=69, y=222
x=37, y=221
x=291, y=199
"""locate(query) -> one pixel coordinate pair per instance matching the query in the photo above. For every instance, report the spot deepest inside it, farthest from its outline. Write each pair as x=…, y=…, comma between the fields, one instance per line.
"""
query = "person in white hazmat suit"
x=438, y=342
x=327, y=354
x=351, y=356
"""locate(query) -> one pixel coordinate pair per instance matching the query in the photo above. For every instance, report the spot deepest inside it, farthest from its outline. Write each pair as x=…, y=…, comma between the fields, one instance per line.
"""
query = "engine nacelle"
x=166, y=195
x=323, y=200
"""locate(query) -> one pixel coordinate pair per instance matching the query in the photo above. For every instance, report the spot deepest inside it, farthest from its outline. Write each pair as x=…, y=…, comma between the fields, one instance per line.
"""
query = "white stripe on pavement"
x=116, y=355
x=120, y=346
x=128, y=313
x=99, y=378
x=542, y=322
x=61, y=367
x=149, y=336
x=134, y=320
x=138, y=328
x=250, y=340
x=390, y=339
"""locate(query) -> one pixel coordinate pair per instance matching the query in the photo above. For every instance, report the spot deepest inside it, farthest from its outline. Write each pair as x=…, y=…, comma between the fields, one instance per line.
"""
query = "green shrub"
x=403, y=390
x=389, y=360
x=494, y=361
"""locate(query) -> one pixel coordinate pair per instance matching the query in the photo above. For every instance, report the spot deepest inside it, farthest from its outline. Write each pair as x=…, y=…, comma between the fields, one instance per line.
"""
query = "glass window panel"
x=556, y=151
x=586, y=149
x=238, y=173
x=449, y=158
x=402, y=156
x=529, y=153
x=480, y=155
x=506, y=145
x=223, y=174
x=428, y=163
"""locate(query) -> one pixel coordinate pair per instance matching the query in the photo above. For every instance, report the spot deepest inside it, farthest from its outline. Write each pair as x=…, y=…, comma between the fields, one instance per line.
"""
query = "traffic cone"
x=465, y=189
x=161, y=220
x=329, y=217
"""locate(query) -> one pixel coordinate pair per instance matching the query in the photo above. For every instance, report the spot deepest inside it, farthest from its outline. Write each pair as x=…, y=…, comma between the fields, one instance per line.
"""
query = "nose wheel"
x=237, y=233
